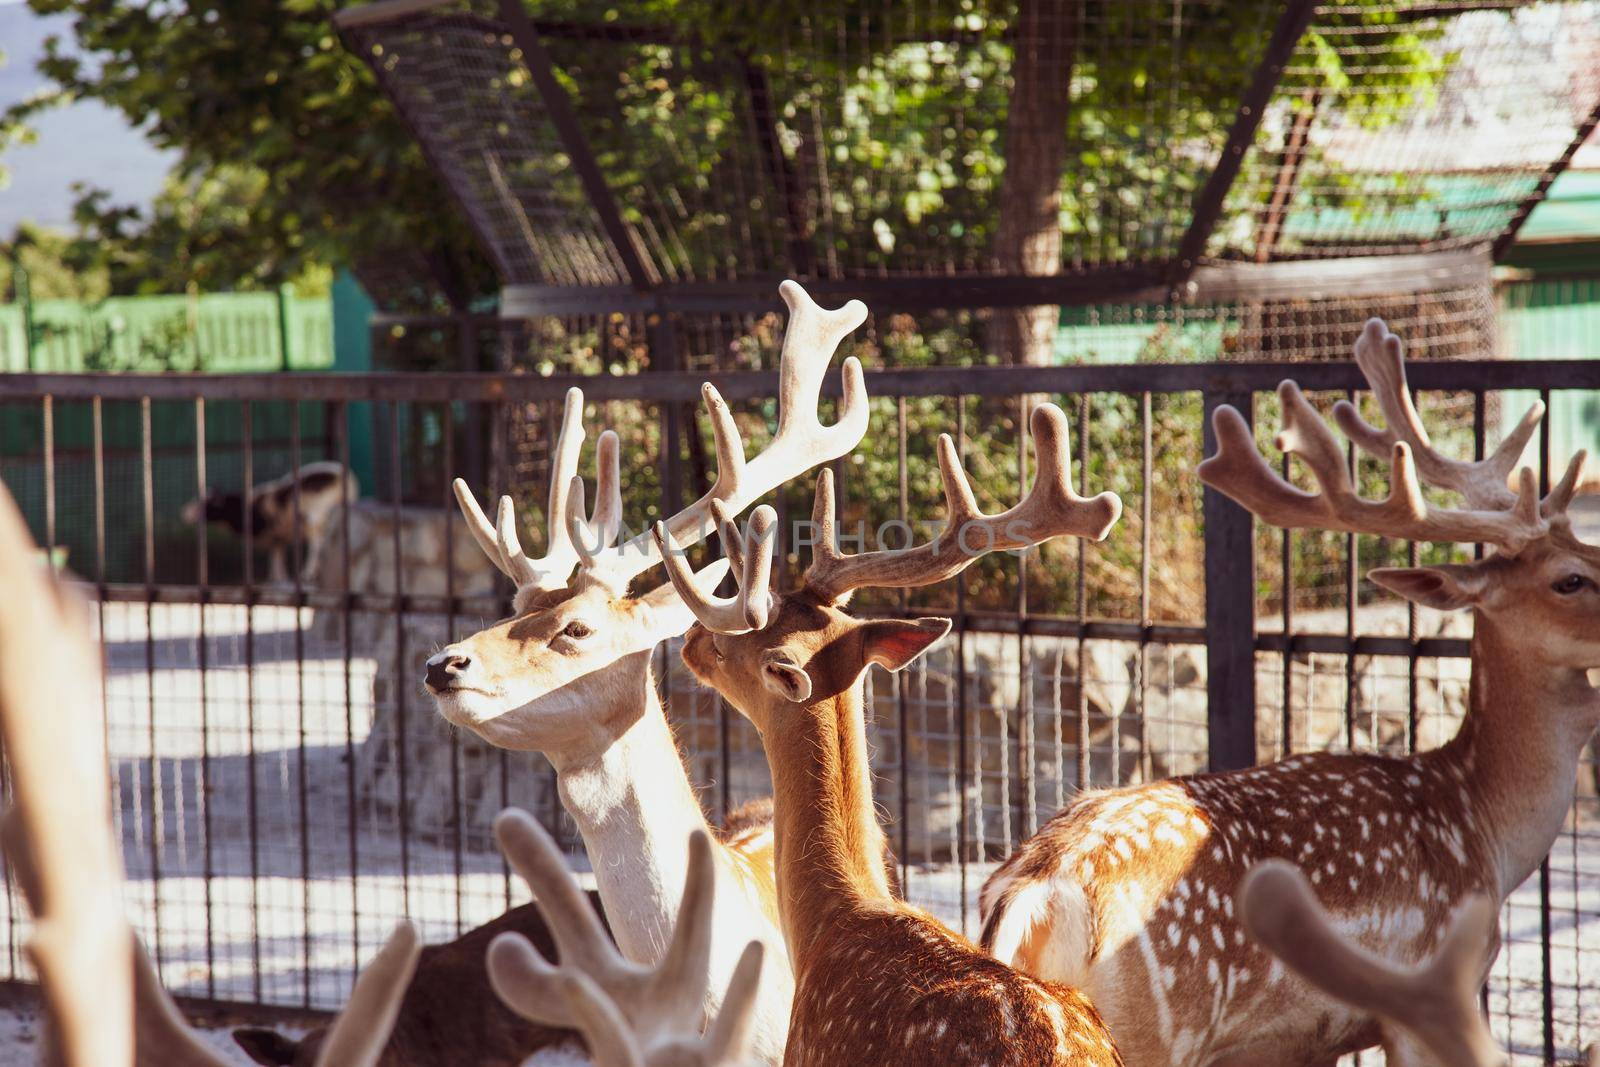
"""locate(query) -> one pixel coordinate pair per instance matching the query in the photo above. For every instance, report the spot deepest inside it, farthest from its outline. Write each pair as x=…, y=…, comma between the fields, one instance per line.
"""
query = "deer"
x=630, y=1015
x=877, y=980
x=449, y=1014
x=1130, y=892
x=1434, y=1001
x=103, y=998
x=568, y=674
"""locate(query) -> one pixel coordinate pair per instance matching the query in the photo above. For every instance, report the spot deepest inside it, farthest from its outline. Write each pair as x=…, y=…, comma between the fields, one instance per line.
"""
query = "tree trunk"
x=1028, y=238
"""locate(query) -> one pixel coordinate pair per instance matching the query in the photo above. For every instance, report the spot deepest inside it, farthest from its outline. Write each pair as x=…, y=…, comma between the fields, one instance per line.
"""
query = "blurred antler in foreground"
x=102, y=994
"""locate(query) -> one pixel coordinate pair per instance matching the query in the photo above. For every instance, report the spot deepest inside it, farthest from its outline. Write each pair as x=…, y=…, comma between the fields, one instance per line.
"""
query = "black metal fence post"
x=1230, y=615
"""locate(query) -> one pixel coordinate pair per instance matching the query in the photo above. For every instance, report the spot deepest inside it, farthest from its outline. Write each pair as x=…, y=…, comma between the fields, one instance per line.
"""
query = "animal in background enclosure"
x=877, y=980
x=296, y=509
x=569, y=673
x=630, y=1015
x=450, y=1014
x=103, y=997
x=1434, y=1002
x=1131, y=892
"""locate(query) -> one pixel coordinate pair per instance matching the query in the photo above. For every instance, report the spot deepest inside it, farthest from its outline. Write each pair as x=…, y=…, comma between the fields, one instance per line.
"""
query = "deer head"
x=1540, y=580
x=766, y=653
x=526, y=682
x=630, y=1015
x=102, y=994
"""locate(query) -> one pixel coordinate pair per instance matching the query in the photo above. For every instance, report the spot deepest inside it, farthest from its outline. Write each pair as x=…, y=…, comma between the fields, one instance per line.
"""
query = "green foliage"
x=56, y=266
x=290, y=153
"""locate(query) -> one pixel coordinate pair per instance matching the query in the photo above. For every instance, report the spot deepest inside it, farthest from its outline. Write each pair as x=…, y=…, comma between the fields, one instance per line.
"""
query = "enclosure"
x=286, y=789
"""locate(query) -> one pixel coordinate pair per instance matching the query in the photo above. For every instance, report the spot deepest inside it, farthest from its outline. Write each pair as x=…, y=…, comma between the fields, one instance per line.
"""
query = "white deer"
x=569, y=673
x=1130, y=892
x=103, y=998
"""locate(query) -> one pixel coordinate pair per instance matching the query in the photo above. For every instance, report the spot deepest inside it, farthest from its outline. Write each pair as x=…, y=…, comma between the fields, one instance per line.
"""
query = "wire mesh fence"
x=284, y=789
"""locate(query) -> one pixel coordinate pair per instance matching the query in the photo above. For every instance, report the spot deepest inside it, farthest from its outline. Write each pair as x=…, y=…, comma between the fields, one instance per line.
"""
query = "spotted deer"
x=630, y=1015
x=103, y=998
x=876, y=979
x=1130, y=892
x=1435, y=1001
x=568, y=674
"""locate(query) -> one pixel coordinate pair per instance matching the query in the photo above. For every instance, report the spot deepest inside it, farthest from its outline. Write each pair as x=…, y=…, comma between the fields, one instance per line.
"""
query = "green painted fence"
x=1555, y=318
x=263, y=331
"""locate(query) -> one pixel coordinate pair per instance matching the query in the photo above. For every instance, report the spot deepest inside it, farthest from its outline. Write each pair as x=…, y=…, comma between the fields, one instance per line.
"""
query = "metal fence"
x=285, y=790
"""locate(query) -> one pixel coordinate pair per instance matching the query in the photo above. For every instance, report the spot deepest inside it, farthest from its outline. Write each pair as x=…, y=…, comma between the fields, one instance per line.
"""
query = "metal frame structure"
x=1236, y=650
x=1188, y=276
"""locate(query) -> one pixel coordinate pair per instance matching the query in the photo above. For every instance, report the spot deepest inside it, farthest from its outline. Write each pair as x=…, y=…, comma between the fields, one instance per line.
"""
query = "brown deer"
x=876, y=980
x=569, y=673
x=449, y=1014
x=103, y=997
x=1435, y=1002
x=630, y=1015
x=1130, y=892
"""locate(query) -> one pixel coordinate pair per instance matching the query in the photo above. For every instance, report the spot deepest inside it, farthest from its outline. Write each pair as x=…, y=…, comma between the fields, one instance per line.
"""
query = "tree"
x=55, y=264
x=269, y=104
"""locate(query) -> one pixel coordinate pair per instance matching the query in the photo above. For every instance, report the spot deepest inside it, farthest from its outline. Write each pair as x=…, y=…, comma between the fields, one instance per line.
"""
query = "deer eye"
x=576, y=630
x=1572, y=583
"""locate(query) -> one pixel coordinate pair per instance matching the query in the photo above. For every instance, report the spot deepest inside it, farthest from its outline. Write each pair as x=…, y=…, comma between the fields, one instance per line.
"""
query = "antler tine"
x=362, y=1029
x=500, y=541
x=1435, y=1002
x=591, y=534
x=632, y=1016
x=49, y=715
x=1482, y=483
x=1052, y=508
x=1238, y=470
x=749, y=556
x=800, y=442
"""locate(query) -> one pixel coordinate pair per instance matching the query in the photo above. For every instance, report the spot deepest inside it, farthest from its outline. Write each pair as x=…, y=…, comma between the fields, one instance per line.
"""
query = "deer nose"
x=446, y=668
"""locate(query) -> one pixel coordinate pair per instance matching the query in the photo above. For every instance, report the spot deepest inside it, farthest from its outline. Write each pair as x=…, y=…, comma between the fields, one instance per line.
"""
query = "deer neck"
x=1527, y=723
x=625, y=787
x=830, y=848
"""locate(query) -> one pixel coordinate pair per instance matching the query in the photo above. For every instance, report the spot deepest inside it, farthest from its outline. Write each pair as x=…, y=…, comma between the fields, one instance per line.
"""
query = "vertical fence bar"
x=458, y=830
x=1352, y=580
x=1230, y=612
x=47, y=410
x=1546, y=960
x=1141, y=683
x=302, y=774
x=347, y=651
x=1286, y=725
x=1024, y=662
x=97, y=423
x=1085, y=749
x=963, y=748
x=252, y=799
x=203, y=661
x=157, y=814
x=899, y=677
x=400, y=689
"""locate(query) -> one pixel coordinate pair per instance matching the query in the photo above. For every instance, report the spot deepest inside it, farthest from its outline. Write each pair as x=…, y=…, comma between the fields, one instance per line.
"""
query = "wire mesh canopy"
x=1069, y=152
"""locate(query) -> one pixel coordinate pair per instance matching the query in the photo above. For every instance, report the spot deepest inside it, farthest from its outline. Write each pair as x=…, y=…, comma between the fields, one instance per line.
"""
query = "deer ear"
x=894, y=643
x=788, y=680
x=1446, y=588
